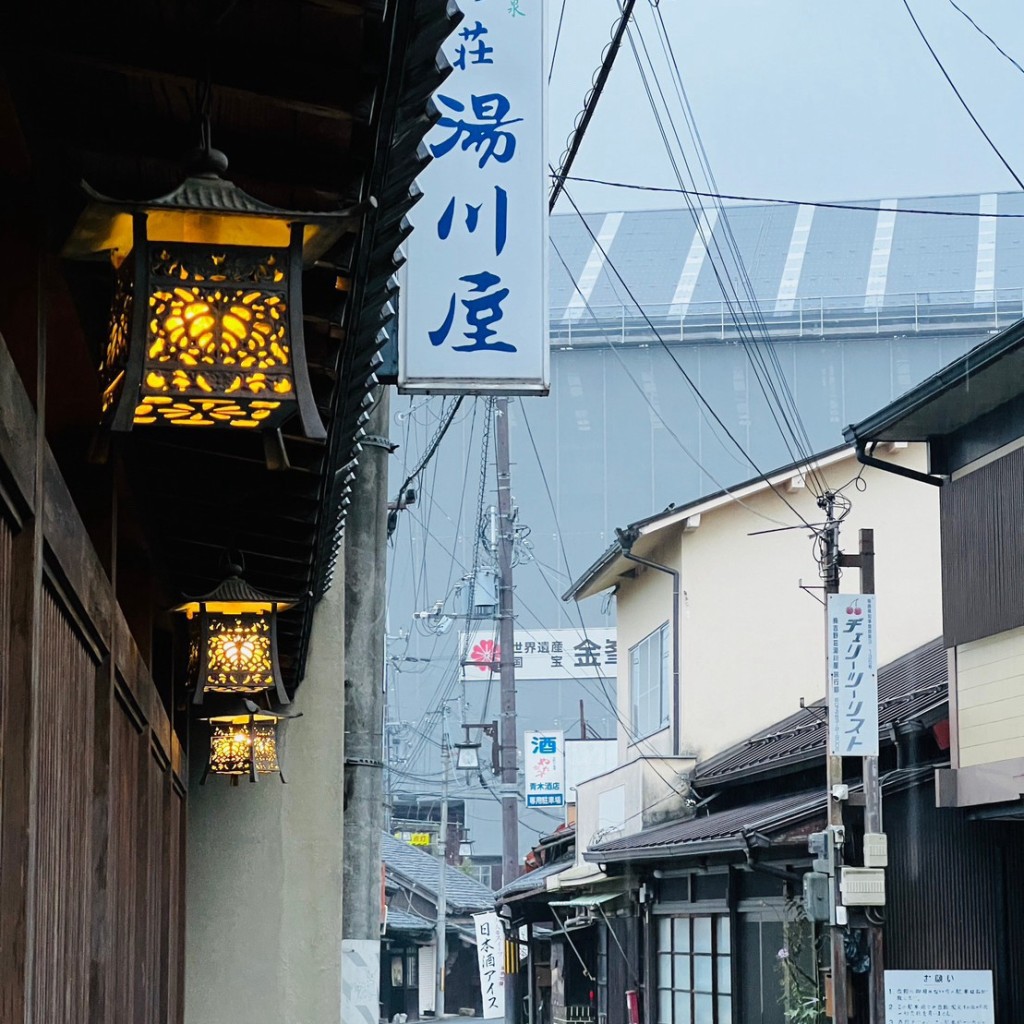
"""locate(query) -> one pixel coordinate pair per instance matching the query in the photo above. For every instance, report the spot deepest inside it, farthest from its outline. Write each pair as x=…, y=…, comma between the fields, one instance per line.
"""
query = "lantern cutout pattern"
x=206, y=321
x=234, y=640
x=245, y=741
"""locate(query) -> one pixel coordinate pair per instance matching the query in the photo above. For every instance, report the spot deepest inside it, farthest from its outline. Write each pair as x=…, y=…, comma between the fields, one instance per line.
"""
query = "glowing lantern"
x=234, y=644
x=245, y=741
x=206, y=321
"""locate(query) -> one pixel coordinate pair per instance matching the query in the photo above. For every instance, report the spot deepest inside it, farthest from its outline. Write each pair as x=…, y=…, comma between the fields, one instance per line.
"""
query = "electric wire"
x=970, y=113
x=956, y=7
x=857, y=208
x=558, y=37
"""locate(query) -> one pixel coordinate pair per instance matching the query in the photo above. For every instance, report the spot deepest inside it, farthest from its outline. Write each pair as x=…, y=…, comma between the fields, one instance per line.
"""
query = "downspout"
x=627, y=538
x=888, y=467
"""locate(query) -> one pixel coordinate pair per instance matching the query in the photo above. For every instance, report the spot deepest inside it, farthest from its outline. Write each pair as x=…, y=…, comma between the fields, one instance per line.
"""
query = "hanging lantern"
x=206, y=321
x=245, y=741
x=234, y=641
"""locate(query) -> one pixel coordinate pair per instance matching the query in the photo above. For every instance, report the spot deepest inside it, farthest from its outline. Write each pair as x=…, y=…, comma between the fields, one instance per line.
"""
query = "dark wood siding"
x=982, y=517
x=92, y=777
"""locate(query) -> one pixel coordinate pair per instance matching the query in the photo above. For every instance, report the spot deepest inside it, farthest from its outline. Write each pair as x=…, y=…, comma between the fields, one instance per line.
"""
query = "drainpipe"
x=889, y=467
x=627, y=538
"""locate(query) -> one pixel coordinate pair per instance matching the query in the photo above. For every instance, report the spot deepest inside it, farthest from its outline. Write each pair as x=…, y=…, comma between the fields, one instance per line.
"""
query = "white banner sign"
x=473, y=312
x=853, y=675
x=490, y=957
x=958, y=997
x=544, y=654
x=544, y=768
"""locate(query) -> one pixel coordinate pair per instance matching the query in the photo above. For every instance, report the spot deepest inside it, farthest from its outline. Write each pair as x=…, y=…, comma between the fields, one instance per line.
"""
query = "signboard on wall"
x=490, y=950
x=544, y=654
x=544, y=764
x=958, y=997
x=474, y=296
x=853, y=675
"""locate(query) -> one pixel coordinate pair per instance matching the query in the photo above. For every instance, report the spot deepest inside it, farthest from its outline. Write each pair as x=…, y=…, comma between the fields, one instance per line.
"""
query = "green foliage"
x=802, y=997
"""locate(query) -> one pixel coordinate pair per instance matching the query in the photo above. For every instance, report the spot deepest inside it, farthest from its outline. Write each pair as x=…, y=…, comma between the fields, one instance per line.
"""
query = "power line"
x=859, y=208
x=682, y=369
x=558, y=36
x=963, y=102
x=956, y=7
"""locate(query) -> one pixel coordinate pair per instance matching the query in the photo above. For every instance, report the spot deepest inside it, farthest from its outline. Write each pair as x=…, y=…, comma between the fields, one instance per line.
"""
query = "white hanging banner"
x=490, y=955
x=853, y=675
x=473, y=306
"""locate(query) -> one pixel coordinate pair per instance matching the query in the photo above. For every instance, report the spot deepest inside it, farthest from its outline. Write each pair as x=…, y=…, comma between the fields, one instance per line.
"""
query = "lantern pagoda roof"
x=235, y=595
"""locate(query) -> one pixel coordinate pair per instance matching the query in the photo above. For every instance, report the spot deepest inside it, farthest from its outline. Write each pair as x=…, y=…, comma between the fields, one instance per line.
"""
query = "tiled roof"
x=754, y=824
x=907, y=688
x=405, y=863
x=404, y=921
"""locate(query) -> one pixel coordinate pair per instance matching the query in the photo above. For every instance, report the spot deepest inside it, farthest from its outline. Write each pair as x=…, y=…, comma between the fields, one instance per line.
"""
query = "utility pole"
x=834, y=767
x=509, y=737
x=506, y=623
x=365, y=561
x=440, y=932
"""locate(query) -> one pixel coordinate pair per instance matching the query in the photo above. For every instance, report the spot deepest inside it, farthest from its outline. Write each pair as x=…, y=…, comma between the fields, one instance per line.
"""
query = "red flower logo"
x=486, y=654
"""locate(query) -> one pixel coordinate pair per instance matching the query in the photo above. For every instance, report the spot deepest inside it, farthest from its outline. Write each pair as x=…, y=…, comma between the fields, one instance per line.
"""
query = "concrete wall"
x=990, y=698
x=265, y=866
x=751, y=639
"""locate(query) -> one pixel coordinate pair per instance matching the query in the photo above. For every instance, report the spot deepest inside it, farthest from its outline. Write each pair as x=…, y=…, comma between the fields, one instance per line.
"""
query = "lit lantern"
x=245, y=741
x=206, y=322
x=234, y=642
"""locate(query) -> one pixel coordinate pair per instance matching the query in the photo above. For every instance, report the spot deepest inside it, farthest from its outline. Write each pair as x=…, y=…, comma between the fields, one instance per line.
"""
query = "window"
x=694, y=970
x=648, y=683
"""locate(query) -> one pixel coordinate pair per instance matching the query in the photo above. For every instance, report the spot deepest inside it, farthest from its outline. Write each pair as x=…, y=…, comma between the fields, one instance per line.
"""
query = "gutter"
x=888, y=467
x=627, y=538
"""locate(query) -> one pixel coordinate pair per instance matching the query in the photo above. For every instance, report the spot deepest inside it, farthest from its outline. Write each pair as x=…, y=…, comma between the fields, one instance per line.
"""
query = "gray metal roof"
x=908, y=687
x=784, y=821
x=981, y=380
x=405, y=863
x=532, y=881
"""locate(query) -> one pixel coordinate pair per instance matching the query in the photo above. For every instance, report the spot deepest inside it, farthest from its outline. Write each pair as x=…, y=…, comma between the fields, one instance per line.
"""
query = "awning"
x=592, y=900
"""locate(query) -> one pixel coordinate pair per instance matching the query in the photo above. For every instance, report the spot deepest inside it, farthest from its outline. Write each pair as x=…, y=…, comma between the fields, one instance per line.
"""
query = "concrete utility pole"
x=441, y=924
x=506, y=623
x=365, y=570
x=509, y=729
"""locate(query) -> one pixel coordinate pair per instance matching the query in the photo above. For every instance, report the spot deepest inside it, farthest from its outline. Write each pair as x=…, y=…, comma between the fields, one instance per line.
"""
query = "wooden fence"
x=92, y=784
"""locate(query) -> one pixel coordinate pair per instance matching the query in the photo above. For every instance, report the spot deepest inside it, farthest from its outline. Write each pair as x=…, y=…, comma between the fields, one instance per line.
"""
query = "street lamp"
x=467, y=757
x=205, y=325
x=234, y=643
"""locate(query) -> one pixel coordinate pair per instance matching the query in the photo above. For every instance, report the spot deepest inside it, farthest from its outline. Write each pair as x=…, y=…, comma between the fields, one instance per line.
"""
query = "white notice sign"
x=490, y=956
x=474, y=314
x=853, y=675
x=956, y=997
x=544, y=768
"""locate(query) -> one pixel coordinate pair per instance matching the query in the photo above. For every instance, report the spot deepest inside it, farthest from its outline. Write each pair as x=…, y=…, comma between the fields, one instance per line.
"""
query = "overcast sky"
x=799, y=99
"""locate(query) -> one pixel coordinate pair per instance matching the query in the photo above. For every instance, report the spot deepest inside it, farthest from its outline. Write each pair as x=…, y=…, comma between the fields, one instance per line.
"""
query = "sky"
x=797, y=99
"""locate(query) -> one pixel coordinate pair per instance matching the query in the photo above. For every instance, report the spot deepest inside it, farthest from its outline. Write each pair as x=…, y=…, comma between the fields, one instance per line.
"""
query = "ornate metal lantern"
x=245, y=741
x=206, y=322
x=234, y=642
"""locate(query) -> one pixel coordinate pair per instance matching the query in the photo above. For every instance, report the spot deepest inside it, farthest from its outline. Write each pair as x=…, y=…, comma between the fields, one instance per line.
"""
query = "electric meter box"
x=862, y=887
x=876, y=850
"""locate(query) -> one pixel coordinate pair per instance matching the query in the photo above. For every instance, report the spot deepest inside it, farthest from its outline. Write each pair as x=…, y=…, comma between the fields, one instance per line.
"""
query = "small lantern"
x=245, y=740
x=234, y=643
x=206, y=321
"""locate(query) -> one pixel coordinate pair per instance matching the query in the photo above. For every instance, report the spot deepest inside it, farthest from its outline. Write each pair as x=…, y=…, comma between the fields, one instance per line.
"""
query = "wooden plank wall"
x=92, y=778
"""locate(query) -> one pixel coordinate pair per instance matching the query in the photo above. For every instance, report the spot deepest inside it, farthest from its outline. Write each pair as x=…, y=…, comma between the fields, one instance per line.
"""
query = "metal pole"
x=509, y=738
x=834, y=766
x=872, y=809
x=440, y=933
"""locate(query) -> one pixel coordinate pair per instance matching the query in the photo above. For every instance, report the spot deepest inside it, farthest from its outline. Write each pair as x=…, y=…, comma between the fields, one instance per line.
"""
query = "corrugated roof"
x=907, y=687
x=754, y=824
x=405, y=862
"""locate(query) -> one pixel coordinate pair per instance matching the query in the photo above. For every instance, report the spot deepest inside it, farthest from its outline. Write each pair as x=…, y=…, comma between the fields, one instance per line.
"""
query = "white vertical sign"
x=490, y=956
x=544, y=764
x=853, y=675
x=963, y=997
x=473, y=311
